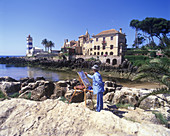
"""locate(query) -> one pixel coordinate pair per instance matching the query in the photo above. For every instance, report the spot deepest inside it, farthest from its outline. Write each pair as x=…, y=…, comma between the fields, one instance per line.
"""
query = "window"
x=111, y=46
x=90, y=49
x=108, y=61
x=114, y=61
x=101, y=53
x=96, y=39
x=98, y=53
x=106, y=53
x=103, y=38
x=94, y=47
x=98, y=47
x=94, y=53
x=90, y=53
x=111, y=38
x=111, y=53
x=104, y=47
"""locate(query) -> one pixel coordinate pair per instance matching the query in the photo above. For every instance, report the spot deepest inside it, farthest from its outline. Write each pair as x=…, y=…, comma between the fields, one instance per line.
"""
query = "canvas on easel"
x=84, y=79
x=84, y=87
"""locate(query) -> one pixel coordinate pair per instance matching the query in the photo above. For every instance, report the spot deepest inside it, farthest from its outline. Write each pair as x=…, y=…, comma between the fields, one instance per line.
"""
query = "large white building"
x=109, y=46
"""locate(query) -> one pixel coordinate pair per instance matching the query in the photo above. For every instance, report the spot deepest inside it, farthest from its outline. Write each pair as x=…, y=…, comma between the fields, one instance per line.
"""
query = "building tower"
x=29, y=45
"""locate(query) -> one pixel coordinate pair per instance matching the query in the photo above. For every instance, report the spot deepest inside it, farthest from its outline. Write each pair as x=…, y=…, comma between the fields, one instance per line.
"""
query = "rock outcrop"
x=55, y=118
x=9, y=85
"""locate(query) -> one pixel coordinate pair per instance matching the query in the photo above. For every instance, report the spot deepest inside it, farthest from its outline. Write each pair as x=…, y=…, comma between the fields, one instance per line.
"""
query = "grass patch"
x=14, y=95
x=29, y=96
x=138, y=60
x=123, y=106
x=2, y=95
x=160, y=117
x=63, y=99
x=131, y=119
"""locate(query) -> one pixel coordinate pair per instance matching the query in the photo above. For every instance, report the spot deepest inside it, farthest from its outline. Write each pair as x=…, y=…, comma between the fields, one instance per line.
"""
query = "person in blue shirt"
x=98, y=87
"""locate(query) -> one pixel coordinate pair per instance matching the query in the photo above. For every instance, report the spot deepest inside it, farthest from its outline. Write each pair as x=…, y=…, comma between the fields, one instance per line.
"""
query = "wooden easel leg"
x=85, y=97
x=72, y=96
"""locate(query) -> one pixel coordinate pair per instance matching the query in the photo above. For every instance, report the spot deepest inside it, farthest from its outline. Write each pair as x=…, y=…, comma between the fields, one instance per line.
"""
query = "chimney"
x=120, y=30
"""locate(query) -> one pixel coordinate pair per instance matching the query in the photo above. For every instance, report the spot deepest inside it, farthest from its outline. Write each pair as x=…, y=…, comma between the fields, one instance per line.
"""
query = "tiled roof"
x=83, y=36
x=111, y=31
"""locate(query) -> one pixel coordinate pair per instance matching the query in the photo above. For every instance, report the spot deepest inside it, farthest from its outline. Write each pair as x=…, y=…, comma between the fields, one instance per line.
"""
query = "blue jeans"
x=99, y=101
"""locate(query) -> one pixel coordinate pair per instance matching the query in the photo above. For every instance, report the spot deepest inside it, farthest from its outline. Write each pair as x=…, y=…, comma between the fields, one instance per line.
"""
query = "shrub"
x=91, y=59
x=15, y=95
x=160, y=117
x=63, y=99
x=137, y=60
x=2, y=95
x=153, y=54
x=125, y=106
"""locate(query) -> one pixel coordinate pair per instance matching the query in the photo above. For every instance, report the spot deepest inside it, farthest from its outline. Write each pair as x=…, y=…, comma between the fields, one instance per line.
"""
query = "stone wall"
x=113, y=60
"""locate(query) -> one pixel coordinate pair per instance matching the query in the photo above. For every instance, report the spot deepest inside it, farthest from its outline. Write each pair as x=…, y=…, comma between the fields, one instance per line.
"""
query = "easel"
x=84, y=88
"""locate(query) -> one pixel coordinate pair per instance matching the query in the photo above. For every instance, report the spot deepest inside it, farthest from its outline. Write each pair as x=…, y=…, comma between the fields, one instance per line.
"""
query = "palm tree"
x=50, y=44
x=156, y=70
x=44, y=43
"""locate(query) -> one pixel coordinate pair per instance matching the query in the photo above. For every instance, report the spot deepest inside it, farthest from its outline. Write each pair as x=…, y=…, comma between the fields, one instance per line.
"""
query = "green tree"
x=135, y=24
x=138, y=41
x=157, y=27
x=164, y=45
x=44, y=43
x=50, y=44
x=156, y=70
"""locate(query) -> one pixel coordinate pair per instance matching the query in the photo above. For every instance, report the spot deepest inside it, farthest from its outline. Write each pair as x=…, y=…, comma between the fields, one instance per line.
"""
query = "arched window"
x=94, y=53
x=108, y=61
x=98, y=53
x=106, y=53
x=111, y=46
x=111, y=53
x=101, y=53
x=114, y=61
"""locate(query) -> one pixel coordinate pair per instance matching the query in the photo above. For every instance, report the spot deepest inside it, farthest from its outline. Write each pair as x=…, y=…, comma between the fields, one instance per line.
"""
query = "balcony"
x=103, y=42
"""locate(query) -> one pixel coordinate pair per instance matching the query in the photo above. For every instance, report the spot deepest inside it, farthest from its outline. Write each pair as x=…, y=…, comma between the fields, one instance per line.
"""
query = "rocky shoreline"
x=79, y=63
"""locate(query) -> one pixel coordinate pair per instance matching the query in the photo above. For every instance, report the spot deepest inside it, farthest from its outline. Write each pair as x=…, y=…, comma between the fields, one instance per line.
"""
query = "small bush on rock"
x=2, y=95
x=160, y=117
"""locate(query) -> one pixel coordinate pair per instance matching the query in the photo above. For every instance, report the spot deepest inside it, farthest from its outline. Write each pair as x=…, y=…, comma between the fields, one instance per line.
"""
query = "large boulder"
x=79, y=97
x=40, y=90
x=43, y=90
x=126, y=96
x=10, y=87
x=59, y=91
x=7, y=79
x=55, y=118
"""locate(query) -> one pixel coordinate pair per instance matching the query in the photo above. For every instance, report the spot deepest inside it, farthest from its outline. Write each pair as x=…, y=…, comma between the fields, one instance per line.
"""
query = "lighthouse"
x=29, y=46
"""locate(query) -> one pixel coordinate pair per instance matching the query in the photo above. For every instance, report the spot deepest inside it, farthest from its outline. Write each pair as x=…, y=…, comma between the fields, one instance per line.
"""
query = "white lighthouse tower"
x=29, y=46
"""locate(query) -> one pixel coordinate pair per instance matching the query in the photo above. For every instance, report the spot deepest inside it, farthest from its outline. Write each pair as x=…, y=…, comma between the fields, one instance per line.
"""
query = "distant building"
x=35, y=51
x=31, y=51
x=109, y=43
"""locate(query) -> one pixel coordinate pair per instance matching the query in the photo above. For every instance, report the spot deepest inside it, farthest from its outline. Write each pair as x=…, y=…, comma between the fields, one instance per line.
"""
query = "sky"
x=57, y=20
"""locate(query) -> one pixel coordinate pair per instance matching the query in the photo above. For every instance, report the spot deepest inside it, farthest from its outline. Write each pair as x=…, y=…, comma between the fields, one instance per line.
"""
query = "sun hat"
x=96, y=67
